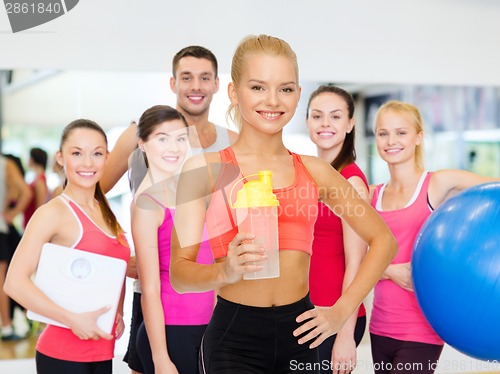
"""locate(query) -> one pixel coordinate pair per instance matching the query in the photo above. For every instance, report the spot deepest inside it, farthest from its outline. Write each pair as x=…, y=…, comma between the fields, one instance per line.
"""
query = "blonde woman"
x=268, y=325
x=399, y=331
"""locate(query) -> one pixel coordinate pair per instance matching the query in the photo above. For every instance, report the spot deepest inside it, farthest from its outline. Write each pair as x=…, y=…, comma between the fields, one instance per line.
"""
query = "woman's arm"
x=145, y=224
x=447, y=183
x=120, y=325
x=343, y=199
x=344, y=348
x=132, y=268
x=42, y=228
x=400, y=274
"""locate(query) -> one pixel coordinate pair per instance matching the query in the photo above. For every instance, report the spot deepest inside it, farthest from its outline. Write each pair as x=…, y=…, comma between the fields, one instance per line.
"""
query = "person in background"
x=38, y=163
x=13, y=239
x=18, y=163
x=169, y=338
x=15, y=195
x=399, y=333
x=195, y=81
x=116, y=167
x=337, y=251
x=79, y=218
x=58, y=170
x=266, y=325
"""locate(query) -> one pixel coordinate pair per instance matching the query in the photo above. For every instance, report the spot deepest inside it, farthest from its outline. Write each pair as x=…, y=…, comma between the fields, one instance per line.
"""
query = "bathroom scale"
x=79, y=281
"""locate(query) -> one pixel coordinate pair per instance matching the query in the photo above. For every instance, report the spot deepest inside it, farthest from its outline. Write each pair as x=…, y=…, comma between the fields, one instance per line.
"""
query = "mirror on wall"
x=462, y=123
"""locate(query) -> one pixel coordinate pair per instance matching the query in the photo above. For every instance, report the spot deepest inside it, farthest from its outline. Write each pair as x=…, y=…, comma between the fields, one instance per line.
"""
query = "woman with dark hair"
x=38, y=163
x=169, y=338
x=337, y=250
x=14, y=197
x=79, y=218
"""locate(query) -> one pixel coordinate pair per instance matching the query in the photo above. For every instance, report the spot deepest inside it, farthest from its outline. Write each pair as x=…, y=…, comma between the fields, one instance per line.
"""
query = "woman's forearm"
x=190, y=276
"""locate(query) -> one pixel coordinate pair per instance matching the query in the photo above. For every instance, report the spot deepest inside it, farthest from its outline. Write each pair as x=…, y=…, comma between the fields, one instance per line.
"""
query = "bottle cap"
x=257, y=193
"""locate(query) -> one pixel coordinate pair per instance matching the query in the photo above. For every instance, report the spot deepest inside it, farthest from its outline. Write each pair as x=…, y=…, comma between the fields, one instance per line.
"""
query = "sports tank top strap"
x=155, y=200
x=92, y=238
x=423, y=187
x=229, y=170
x=300, y=168
x=419, y=194
x=85, y=221
x=227, y=156
x=376, y=192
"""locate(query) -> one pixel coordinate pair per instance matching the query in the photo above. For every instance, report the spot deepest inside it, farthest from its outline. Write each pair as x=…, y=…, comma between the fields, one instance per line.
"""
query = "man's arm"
x=117, y=164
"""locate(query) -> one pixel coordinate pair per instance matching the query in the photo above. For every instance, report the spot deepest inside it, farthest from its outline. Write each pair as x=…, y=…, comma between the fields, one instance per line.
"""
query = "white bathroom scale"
x=79, y=281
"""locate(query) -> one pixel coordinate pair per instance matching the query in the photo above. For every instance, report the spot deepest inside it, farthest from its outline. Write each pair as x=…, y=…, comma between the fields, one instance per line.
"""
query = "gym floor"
x=18, y=357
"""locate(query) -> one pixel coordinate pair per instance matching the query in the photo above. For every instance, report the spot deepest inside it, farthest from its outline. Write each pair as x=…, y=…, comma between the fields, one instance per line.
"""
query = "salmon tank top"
x=297, y=210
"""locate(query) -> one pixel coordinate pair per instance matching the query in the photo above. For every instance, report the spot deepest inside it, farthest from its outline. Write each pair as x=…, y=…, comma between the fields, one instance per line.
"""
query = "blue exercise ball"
x=456, y=271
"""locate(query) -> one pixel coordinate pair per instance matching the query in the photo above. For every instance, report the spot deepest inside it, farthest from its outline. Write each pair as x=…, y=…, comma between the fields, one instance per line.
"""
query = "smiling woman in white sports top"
x=398, y=329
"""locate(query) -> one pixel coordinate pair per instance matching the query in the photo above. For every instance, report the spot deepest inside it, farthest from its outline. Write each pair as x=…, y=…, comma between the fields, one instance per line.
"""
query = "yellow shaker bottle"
x=257, y=212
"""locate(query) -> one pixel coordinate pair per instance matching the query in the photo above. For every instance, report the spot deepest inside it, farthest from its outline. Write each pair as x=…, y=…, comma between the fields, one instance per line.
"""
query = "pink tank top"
x=61, y=343
x=396, y=313
x=188, y=308
x=327, y=269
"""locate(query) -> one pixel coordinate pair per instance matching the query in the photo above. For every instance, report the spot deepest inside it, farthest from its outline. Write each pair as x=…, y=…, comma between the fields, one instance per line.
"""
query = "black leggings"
x=244, y=339
x=325, y=349
x=49, y=365
x=131, y=357
x=392, y=356
x=183, y=343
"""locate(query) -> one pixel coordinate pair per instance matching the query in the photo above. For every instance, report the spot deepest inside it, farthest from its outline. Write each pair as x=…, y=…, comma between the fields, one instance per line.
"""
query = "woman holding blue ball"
x=401, y=337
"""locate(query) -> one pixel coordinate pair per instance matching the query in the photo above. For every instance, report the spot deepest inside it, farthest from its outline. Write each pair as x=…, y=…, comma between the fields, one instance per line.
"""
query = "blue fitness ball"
x=456, y=271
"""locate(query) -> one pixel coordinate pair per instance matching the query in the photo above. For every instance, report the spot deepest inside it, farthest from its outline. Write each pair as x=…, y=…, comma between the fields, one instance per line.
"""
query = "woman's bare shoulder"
x=50, y=218
x=318, y=168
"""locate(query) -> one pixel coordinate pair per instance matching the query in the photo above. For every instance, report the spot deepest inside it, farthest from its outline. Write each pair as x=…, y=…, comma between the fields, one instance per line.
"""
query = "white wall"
x=383, y=41
x=111, y=98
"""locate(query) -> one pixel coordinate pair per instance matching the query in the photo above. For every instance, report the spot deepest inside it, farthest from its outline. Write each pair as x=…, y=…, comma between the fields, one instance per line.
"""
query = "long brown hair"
x=106, y=212
x=347, y=154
